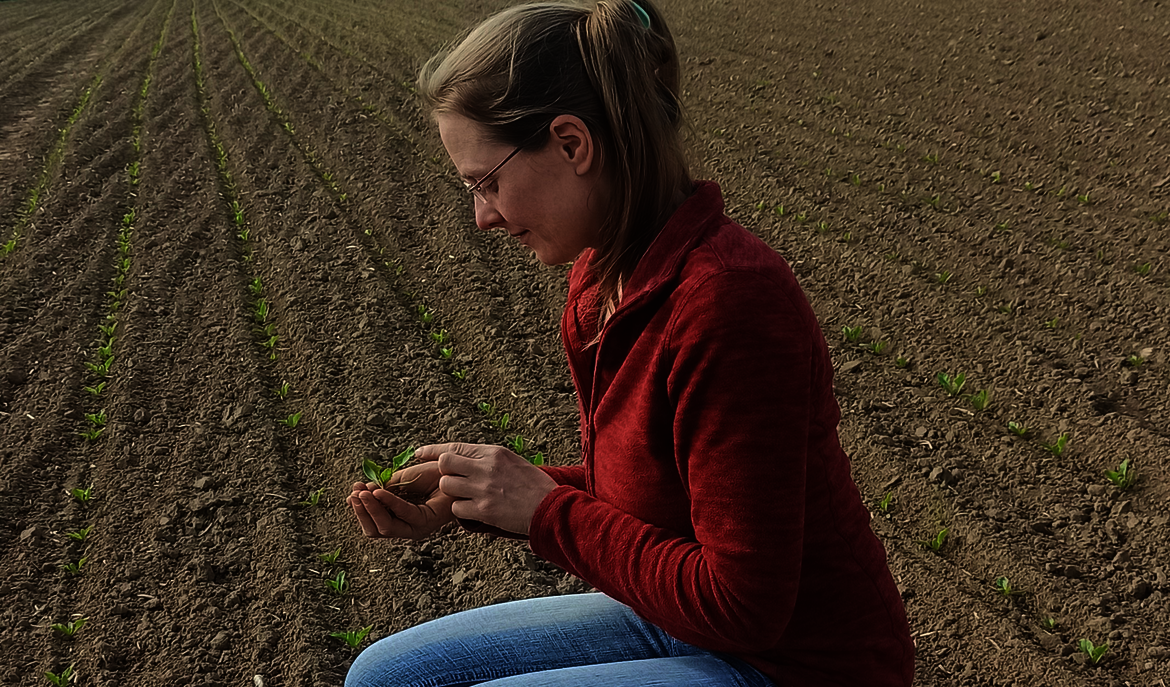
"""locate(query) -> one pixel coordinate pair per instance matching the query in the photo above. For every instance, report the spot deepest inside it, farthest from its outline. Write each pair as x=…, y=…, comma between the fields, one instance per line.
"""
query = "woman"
x=713, y=506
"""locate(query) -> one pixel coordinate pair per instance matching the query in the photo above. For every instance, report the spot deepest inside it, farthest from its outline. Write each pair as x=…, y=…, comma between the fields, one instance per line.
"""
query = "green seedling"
x=1143, y=269
x=876, y=347
x=80, y=534
x=426, y=316
x=1123, y=477
x=244, y=235
x=1060, y=244
x=1053, y=323
x=446, y=352
x=980, y=291
x=936, y=542
x=823, y=227
x=902, y=361
x=132, y=171
x=60, y=679
x=1004, y=586
x=292, y=420
x=887, y=502
x=1059, y=193
x=439, y=337
x=1007, y=308
x=96, y=389
x=1085, y=199
x=261, y=311
x=980, y=400
x=1003, y=226
x=8, y=247
x=107, y=330
x=502, y=422
x=485, y=407
x=97, y=419
x=1095, y=653
x=256, y=287
x=282, y=391
x=851, y=334
x=70, y=628
x=1057, y=447
x=855, y=179
x=82, y=495
x=943, y=277
x=461, y=375
x=338, y=584
x=516, y=443
x=1029, y=186
x=101, y=369
x=92, y=434
x=1049, y=624
x=996, y=177
x=331, y=557
x=270, y=343
x=313, y=498
x=952, y=384
x=353, y=637
x=74, y=568
x=931, y=159
x=1134, y=360
x=381, y=475
x=1017, y=428
x=802, y=217
x=536, y=459
x=780, y=211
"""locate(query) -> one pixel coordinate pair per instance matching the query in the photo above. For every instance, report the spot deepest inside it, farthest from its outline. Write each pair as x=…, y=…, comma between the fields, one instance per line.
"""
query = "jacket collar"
x=699, y=214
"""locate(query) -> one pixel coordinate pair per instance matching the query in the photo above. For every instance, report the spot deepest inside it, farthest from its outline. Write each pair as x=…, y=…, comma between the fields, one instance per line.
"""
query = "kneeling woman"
x=713, y=506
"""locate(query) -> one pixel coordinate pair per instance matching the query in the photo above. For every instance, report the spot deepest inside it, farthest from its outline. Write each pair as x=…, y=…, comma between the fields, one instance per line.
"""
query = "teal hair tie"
x=642, y=15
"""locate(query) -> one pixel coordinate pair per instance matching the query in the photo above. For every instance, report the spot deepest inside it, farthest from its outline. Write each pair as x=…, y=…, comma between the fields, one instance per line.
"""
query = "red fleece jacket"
x=713, y=497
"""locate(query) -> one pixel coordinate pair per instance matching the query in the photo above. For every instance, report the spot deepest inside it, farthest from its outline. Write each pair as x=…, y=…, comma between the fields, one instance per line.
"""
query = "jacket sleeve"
x=569, y=475
x=740, y=352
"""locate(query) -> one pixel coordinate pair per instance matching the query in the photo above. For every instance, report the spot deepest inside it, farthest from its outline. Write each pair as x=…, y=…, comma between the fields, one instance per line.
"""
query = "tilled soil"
x=969, y=189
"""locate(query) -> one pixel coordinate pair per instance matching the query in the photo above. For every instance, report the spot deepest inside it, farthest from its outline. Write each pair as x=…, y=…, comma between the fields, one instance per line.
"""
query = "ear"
x=574, y=144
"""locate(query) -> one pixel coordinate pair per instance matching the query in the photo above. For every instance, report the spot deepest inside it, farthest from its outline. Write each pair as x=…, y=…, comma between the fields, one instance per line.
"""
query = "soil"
x=983, y=187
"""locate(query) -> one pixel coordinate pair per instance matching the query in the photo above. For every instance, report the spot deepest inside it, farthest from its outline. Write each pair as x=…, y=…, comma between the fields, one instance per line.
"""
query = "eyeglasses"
x=476, y=189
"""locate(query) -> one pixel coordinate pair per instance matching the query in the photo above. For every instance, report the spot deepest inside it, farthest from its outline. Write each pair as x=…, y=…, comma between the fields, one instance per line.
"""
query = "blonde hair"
x=527, y=64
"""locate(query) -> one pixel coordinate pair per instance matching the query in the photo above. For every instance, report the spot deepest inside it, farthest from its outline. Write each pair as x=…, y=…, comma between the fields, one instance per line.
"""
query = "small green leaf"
x=372, y=471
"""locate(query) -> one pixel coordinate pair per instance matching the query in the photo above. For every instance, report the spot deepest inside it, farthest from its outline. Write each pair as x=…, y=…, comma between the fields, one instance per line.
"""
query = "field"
x=236, y=261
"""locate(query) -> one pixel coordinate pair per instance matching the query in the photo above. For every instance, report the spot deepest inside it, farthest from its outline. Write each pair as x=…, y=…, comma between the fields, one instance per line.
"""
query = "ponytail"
x=527, y=64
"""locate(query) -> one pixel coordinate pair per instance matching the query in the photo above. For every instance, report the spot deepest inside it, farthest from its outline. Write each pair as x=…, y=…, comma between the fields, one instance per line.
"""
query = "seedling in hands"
x=1017, y=428
x=851, y=334
x=313, y=498
x=936, y=542
x=1095, y=653
x=60, y=679
x=381, y=475
x=82, y=495
x=74, y=568
x=952, y=384
x=331, y=557
x=1057, y=447
x=80, y=534
x=338, y=585
x=1004, y=586
x=292, y=420
x=70, y=628
x=980, y=400
x=1123, y=477
x=352, y=637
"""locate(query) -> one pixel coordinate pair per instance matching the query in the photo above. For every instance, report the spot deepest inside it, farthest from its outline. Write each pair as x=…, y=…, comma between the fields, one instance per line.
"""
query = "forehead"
x=467, y=144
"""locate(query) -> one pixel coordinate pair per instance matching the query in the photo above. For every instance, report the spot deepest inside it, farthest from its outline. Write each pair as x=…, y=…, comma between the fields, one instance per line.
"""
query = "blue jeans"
x=562, y=641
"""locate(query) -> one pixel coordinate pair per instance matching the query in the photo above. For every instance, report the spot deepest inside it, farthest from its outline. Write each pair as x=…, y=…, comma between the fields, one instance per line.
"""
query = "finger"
x=433, y=451
x=359, y=486
x=363, y=517
x=457, y=487
x=456, y=464
x=384, y=523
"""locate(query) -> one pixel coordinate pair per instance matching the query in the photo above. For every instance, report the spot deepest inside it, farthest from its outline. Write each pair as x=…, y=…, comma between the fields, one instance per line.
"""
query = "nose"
x=486, y=215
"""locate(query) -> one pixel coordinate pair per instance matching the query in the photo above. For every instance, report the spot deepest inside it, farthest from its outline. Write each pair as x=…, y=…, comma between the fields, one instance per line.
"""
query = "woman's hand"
x=489, y=483
x=384, y=515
